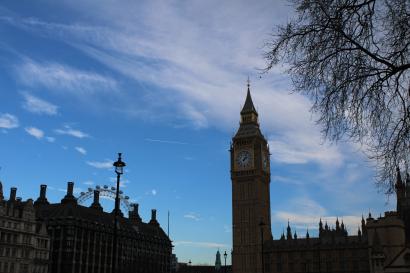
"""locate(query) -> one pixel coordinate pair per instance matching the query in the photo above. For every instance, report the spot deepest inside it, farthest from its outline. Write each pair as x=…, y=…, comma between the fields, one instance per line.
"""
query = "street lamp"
x=189, y=262
x=119, y=170
x=261, y=225
x=225, y=255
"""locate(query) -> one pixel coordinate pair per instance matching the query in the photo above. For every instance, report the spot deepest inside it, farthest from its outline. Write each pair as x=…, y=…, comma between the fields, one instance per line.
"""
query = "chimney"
x=43, y=190
x=96, y=197
x=13, y=192
x=42, y=199
x=133, y=214
x=69, y=198
x=96, y=203
x=70, y=188
x=153, y=220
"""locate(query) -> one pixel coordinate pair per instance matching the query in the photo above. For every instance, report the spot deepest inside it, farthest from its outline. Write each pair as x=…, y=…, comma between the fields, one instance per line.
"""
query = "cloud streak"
x=304, y=213
x=38, y=106
x=55, y=76
x=192, y=216
x=81, y=150
x=67, y=130
x=8, y=121
x=165, y=141
x=106, y=164
x=201, y=74
x=35, y=132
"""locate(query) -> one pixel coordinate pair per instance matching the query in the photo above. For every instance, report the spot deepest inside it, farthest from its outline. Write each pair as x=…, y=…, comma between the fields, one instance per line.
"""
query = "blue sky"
x=163, y=82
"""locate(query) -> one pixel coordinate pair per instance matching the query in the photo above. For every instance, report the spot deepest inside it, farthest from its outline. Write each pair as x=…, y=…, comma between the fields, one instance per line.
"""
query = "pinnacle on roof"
x=248, y=106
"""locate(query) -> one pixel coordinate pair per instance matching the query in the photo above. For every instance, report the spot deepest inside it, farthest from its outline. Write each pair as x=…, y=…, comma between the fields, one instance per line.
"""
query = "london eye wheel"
x=108, y=193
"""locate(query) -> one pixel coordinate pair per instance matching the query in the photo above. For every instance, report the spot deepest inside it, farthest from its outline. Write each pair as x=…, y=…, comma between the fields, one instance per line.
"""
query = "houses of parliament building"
x=380, y=245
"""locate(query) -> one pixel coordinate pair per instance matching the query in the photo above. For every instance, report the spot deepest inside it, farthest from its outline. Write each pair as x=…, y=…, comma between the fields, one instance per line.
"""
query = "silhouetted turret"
x=96, y=202
x=69, y=197
x=153, y=220
x=288, y=232
x=133, y=214
x=42, y=199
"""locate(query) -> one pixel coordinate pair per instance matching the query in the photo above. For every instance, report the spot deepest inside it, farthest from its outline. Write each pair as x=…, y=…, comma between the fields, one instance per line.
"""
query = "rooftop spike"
x=248, y=107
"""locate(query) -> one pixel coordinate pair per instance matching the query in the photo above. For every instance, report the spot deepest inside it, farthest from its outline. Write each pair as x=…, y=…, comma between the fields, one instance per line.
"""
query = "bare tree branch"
x=352, y=58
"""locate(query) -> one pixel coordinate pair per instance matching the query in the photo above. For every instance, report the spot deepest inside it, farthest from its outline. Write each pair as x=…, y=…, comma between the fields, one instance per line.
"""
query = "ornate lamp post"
x=225, y=255
x=119, y=170
x=261, y=225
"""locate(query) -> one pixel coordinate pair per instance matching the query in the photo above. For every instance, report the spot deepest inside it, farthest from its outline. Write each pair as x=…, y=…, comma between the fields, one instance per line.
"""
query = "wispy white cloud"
x=301, y=149
x=88, y=183
x=200, y=244
x=193, y=216
x=35, y=132
x=81, y=150
x=67, y=130
x=304, y=213
x=201, y=74
x=165, y=141
x=55, y=76
x=8, y=121
x=106, y=164
x=39, y=106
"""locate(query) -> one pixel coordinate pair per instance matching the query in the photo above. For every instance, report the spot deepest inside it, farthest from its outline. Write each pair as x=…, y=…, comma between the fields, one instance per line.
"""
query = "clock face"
x=243, y=159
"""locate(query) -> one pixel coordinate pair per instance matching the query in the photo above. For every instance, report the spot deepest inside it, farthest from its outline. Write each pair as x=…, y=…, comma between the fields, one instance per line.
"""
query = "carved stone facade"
x=380, y=246
x=24, y=242
x=81, y=238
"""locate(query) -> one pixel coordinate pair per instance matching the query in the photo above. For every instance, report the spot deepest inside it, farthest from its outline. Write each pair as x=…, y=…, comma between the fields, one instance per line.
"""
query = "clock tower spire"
x=250, y=175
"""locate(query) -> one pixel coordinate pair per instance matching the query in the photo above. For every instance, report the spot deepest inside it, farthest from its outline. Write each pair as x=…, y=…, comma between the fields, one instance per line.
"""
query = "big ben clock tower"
x=250, y=174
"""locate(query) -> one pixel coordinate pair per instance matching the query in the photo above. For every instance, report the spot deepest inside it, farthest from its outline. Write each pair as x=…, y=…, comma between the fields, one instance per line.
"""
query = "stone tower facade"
x=250, y=175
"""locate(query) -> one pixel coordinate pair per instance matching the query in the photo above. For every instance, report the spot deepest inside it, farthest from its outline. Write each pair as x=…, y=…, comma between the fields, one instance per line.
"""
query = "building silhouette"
x=24, y=242
x=81, y=238
x=380, y=245
x=218, y=263
x=218, y=268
